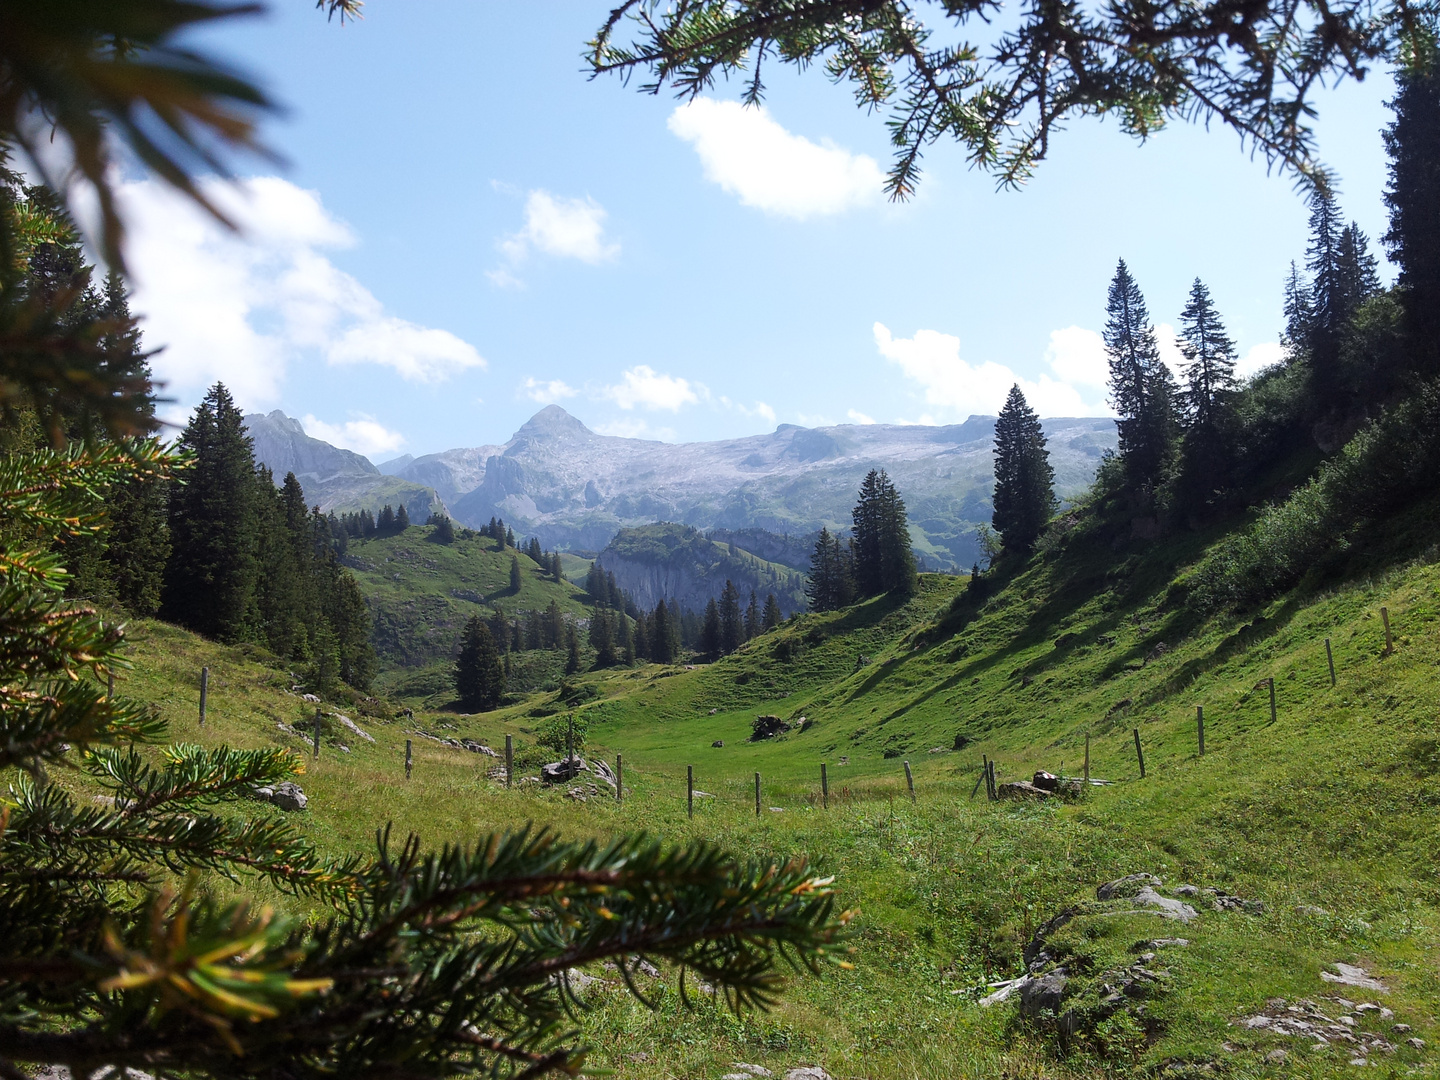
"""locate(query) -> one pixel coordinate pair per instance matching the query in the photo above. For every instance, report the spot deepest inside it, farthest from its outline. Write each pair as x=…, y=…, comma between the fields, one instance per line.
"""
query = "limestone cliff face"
x=677, y=564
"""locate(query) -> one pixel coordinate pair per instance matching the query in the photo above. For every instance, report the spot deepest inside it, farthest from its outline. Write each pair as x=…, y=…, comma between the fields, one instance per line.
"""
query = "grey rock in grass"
x=1122, y=888
x=1175, y=909
x=718, y=743
x=1418, y=1044
x=347, y=722
x=288, y=796
x=603, y=771
x=808, y=1072
x=1004, y=991
x=558, y=772
x=745, y=1072
x=1186, y=890
x=1043, y=993
x=1349, y=975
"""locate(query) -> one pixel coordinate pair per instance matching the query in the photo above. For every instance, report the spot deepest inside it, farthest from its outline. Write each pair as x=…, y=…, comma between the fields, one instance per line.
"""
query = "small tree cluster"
x=884, y=561
x=831, y=584
x=479, y=673
x=725, y=626
x=1024, y=480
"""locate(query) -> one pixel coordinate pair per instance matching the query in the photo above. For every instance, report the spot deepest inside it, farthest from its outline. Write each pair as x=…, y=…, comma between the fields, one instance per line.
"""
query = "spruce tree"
x=1359, y=277
x=1412, y=141
x=479, y=674
x=211, y=576
x=712, y=633
x=1024, y=481
x=283, y=592
x=402, y=518
x=626, y=639
x=602, y=637
x=444, y=529
x=500, y=630
x=1298, y=316
x=732, y=620
x=772, y=617
x=1206, y=453
x=883, y=559
x=385, y=523
x=664, y=634
x=554, y=626
x=572, y=649
x=515, y=579
x=1141, y=387
x=642, y=637
x=1328, y=308
x=752, y=617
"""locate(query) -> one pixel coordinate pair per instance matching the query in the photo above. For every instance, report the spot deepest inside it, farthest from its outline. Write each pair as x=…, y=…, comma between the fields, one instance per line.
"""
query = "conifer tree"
x=479, y=674
x=642, y=637
x=664, y=634
x=534, y=631
x=572, y=649
x=1298, y=316
x=1140, y=384
x=500, y=630
x=385, y=523
x=1359, y=278
x=772, y=617
x=712, y=634
x=752, y=617
x=831, y=585
x=883, y=559
x=554, y=626
x=1327, y=294
x=602, y=638
x=625, y=638
x=1206, y=454
x=402, y=518
x=1024, y=480
x=211, y=576
x=732, y=620
x=1412, y=141
x=515, y=579
x=282, y=595
x=444, y=529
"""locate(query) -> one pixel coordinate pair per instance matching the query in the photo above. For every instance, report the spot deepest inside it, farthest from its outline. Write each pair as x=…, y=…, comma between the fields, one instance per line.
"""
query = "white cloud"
x=1169, y=342
x=633, y=427
x=1260, y=357
x=547, y=391
x=1077, y=355
x=746, y=152
x=647, y=388
x=365, y=435
x=859, y=417
x=567, y=228
x=243, y=307
x=760, y=409
x=933, y=360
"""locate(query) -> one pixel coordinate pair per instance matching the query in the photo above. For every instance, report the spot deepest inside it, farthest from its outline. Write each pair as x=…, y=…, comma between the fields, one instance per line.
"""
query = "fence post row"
x=204, y=692
x=690, y=790
x=909, y=780
x=825, y=787
x=1139, y=753
x=509, y=758
x=407, y=759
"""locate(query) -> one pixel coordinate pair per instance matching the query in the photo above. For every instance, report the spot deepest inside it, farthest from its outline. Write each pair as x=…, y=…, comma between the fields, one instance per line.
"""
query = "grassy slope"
x=1330, y=815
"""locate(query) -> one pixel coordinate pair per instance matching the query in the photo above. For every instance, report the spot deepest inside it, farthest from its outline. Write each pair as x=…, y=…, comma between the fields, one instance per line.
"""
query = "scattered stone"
x=558, y=772
x=718, y=743
x=808, y=1072
x=1165, y=906
x=1186, y=890
x=1349, y=975
x=1222, y=901
x=844, y=760
x=1400, y=1029
x=1124, y=887
x=713, y=712
x=1043, y=992
x=1020, y=789
x=937, y=749
x=1359, y=1061
x=313, y=699
x=603, y=772
x=288, y=796
x=745, y=1072
x=1418, y=1044
x=777, y=809
x=1276, y=1057
x=347, y=722
x=1311, y=909
x=702, y=794
x=1179, y=942
x=1046, y=781
x=1003, y=991
x=582, y=794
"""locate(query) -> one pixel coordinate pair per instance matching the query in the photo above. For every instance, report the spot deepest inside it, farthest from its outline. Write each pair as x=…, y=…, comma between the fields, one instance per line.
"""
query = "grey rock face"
x=1174, y=909
x=1043, y=993
x=559, y=772
x=288, y=796
x=1126, y=886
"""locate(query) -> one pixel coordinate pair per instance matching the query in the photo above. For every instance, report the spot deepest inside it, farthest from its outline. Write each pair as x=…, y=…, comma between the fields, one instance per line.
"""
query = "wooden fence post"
x=757, y=794
x=204, y=692
x=1271, y=681
x=990, y=781
x=824, y=787
x=1140, y=753
x=909, y=780
x=509, y=759
x=1200, y=726
x=407, y=759
x=1087, y=760
x=1385, y=618
x=690, y=790
x=619, y=778
x=978, y=781
x=317, y=733
x=1330, y=659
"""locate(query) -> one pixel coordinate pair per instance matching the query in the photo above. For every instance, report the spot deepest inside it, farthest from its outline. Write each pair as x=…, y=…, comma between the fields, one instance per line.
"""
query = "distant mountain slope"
x=673, y=562
x=573, y=488
x=333, y=479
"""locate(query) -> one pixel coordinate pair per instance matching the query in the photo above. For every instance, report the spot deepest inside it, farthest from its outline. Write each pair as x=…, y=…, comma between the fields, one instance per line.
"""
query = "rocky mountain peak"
x=552, y=422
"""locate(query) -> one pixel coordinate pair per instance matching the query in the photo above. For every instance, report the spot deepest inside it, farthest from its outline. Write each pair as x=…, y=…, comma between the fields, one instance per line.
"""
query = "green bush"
x=1387, y=463
x=553, y=731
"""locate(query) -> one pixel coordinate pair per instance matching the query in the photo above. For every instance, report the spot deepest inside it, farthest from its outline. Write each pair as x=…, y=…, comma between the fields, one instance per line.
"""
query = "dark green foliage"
x=210, y=579
x=1141, y=387
x=1206, y=450
x=1327, y=295
x=772, y=617
x=602, y=637
x=832, y=574
x=1024, y=481
x=752, y=617
x=479, y=675
x=884, y=562
x=1413, y=239
x=444, y=531
x=664, y=636
x=732, y=622
x=572, y=650
x=515, y=579
x=402, y=518
x=712, y=634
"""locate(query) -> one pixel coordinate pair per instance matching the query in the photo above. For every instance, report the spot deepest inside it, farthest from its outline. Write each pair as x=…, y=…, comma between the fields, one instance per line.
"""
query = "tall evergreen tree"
x=752, y=617
x=572, y=649
x=1298, y=316
x=883, y=559
x=479, y=674
x=1024, y=480
x=732, y=620
x=1206, y=451
x=515, y=579
x=402, y=518
x=500, y=630
x=554, y=625
x=664, y=634
x=642, y=637
x=1359, y=276
x=1141, y=387
x=602, y=637
x=1412, y=141
x=712, y=633
x=772, y=617
x=211, y=576
x=625, y=639
x=1328, y=308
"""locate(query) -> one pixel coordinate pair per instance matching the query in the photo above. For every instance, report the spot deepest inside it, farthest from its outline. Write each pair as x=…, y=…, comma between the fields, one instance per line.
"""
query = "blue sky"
x=466, y=229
